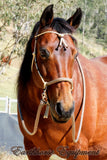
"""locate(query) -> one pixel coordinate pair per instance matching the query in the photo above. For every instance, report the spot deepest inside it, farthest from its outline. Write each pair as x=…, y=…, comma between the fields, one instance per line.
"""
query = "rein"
x=44, y=100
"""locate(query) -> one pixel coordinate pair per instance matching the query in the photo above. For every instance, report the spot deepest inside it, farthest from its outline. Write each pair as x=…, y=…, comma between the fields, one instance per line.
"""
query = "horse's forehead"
x=48, y=37
x=52, y=39
x=48, y=40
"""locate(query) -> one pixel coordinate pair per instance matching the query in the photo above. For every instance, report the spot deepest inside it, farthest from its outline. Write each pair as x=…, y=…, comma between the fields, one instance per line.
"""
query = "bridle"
x=44, y=100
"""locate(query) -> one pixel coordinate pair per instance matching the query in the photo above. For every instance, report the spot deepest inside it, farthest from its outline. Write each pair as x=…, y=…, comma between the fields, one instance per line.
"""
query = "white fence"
x=8, y=104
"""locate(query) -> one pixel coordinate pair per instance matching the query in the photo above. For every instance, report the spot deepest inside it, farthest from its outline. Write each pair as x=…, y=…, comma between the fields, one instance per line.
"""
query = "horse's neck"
x=77, y=86
x=30, y=97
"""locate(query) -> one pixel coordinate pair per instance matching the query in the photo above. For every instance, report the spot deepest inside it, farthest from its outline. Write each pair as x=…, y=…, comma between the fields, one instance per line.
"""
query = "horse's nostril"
x=61, y=112
x=59, y=108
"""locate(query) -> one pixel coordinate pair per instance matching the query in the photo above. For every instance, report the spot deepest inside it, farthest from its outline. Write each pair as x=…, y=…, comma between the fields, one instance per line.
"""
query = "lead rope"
x=42, y=103
x=83, y=107
x=36, y=121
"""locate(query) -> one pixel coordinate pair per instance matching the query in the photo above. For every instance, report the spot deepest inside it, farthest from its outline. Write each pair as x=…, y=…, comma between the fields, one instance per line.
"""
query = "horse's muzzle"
x=62, y=116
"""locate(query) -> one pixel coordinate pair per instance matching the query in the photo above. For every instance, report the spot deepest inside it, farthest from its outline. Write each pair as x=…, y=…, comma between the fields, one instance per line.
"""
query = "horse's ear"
x=75, y=20
x=47, y=16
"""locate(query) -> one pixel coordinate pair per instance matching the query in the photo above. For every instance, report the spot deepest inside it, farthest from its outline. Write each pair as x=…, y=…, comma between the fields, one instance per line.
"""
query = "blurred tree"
x=23, y=14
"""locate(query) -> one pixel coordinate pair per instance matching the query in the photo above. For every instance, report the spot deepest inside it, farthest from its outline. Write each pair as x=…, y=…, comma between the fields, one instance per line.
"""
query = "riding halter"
x=44, y=100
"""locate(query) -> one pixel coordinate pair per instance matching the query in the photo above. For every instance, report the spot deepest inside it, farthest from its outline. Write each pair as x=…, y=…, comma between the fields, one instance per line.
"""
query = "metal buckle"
x=45, y=101
x=44, y=96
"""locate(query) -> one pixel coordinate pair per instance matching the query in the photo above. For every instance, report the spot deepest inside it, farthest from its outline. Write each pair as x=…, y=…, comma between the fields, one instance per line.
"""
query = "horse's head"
x=55, y=54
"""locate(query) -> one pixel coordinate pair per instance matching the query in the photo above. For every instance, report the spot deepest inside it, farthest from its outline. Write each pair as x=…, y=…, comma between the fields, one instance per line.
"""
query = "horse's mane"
x=25, y=70
x=61, y=26
x=58, y=24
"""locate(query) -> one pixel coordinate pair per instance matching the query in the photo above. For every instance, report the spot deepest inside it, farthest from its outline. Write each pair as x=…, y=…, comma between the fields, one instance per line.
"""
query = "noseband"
x=44, y=100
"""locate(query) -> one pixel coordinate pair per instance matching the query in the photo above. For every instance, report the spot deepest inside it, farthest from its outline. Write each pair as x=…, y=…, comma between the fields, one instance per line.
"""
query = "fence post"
x=9, y=105
x=6, y=105
x=8, y=102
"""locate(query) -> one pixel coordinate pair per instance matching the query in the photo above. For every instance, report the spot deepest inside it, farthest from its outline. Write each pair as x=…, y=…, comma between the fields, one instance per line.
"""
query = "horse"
x=57, y=87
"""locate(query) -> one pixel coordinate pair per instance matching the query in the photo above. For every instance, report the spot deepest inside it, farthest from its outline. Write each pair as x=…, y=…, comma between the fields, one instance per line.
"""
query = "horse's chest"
x=53, y=137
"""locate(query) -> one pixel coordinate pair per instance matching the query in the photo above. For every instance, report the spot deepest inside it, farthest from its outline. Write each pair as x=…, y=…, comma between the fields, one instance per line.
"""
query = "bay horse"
x=51, y=76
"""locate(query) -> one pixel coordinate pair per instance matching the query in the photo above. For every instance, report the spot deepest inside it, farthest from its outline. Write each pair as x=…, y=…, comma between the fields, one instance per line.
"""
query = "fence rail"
x=8, y=104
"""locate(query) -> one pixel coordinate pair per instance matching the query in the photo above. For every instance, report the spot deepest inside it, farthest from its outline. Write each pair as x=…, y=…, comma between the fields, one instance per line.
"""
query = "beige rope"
x=36, y=121
x=61, y=79
x=46, y=111
x=83, y=107
x=59, y=34
x=33, y=54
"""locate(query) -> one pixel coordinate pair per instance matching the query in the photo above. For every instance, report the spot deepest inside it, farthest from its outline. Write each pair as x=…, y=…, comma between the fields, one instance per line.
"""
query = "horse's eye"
x=44, y=53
